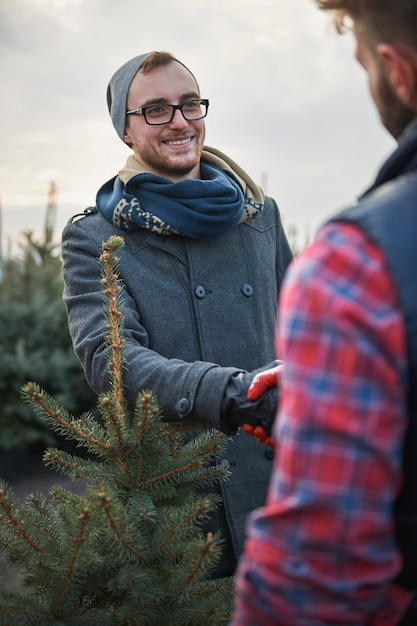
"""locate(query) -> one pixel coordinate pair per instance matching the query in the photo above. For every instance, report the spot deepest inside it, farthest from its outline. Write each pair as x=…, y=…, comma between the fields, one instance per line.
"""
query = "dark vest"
x=389, y=217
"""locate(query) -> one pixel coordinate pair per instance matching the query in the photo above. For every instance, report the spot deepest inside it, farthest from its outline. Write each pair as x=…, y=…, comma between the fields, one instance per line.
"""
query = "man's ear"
x=126, y=138
x=401, y=71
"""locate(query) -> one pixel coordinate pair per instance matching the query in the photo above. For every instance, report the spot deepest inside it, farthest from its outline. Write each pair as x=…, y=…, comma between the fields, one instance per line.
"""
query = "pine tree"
x=129, y=551
x=35, y=342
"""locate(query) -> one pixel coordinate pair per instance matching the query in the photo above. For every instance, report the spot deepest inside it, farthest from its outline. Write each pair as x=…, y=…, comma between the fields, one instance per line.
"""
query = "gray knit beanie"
x=118, y=89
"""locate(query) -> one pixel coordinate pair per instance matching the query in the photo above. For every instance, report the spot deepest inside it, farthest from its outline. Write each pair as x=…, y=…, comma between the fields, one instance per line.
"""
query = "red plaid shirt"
x=321, y=550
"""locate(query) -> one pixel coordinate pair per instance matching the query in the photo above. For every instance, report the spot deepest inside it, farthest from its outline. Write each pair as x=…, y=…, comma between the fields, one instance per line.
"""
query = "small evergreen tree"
x=35, y=344
x=129, y=551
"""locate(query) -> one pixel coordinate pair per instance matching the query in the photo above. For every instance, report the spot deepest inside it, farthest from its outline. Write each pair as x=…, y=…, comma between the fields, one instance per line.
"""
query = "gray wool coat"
x=194, y=312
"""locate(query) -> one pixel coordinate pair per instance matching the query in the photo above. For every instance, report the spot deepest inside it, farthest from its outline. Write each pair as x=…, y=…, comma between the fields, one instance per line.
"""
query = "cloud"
x=287, y=101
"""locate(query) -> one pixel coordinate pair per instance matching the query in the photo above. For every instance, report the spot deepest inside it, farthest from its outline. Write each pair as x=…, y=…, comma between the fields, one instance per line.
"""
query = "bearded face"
x=394, y=114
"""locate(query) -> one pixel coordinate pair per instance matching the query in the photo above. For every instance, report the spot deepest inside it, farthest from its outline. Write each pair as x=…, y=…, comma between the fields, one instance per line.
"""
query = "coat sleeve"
x=184, y=390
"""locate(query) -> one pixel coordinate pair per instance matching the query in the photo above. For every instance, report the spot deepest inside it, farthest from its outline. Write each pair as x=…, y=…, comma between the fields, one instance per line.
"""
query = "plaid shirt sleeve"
x=321, y=550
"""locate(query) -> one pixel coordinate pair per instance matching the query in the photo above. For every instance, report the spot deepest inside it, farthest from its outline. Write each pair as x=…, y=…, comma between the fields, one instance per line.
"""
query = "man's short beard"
x=173, y=169
x=177, y=170
x=395, y=115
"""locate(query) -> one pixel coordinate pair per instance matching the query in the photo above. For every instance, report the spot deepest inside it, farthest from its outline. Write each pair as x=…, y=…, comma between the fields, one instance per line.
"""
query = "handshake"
x=251, y=400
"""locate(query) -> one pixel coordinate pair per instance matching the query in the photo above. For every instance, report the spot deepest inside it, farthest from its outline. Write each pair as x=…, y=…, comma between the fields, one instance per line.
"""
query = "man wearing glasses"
x=201, y=268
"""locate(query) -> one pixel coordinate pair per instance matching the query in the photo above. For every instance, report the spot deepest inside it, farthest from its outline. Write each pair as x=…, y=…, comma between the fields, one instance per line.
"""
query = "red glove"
x=262, y=381
x=260, y=435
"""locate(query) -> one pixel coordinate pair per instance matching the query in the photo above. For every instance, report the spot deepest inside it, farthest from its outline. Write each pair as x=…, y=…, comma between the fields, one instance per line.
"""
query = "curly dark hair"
x=388, y=20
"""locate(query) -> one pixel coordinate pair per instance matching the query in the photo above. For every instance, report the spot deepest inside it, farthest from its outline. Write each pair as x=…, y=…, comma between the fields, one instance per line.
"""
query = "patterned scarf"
x=206, y=207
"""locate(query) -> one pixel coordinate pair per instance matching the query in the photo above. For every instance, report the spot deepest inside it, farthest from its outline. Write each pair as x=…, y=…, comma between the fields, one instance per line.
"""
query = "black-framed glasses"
x=158, y=114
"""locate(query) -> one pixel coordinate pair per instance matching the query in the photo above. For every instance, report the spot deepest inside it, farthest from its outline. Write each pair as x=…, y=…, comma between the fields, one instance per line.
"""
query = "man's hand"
x=260, y=384
x=264, y=380
x=260, y=434
x=257, y=410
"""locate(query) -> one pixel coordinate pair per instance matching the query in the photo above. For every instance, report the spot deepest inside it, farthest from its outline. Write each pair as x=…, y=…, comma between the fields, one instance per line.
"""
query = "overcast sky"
x=287, y=100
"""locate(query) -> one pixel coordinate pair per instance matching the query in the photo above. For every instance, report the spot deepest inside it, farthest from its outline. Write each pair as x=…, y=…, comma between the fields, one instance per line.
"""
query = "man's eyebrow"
x=184, y=97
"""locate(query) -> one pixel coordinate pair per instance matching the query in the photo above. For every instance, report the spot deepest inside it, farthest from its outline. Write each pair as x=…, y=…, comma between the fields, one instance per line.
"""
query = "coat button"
x=225, y=462
x=183, y=406
x=269, y=454
x=200, y=292
x=247, y=290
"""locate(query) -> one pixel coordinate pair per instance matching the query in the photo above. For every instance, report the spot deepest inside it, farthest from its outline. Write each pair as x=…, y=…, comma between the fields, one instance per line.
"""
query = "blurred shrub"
x=35, y=344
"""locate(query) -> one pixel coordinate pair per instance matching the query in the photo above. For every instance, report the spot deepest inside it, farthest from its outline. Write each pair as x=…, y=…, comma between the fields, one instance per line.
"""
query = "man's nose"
x=178, y=121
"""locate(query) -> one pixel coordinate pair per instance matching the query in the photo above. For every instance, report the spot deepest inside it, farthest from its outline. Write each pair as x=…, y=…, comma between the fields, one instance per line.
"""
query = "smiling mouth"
x=179, y=142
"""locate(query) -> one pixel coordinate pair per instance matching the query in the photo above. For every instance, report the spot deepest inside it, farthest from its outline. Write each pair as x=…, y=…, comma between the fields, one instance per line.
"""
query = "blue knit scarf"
x=205, y=207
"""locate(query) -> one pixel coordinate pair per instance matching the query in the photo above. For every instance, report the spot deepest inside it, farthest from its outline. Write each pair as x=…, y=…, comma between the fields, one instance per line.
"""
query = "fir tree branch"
x=111, y=291
x=39, y=398
x=75, y=467
x=143, y=405
x=57, y=459
x=78, y=540
x=109, y=412
x=196, y=569
x=19, y=525
x=42, y=528
x=105, y=504
x=198, y=512
x=11, y=612
x=192, y=465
